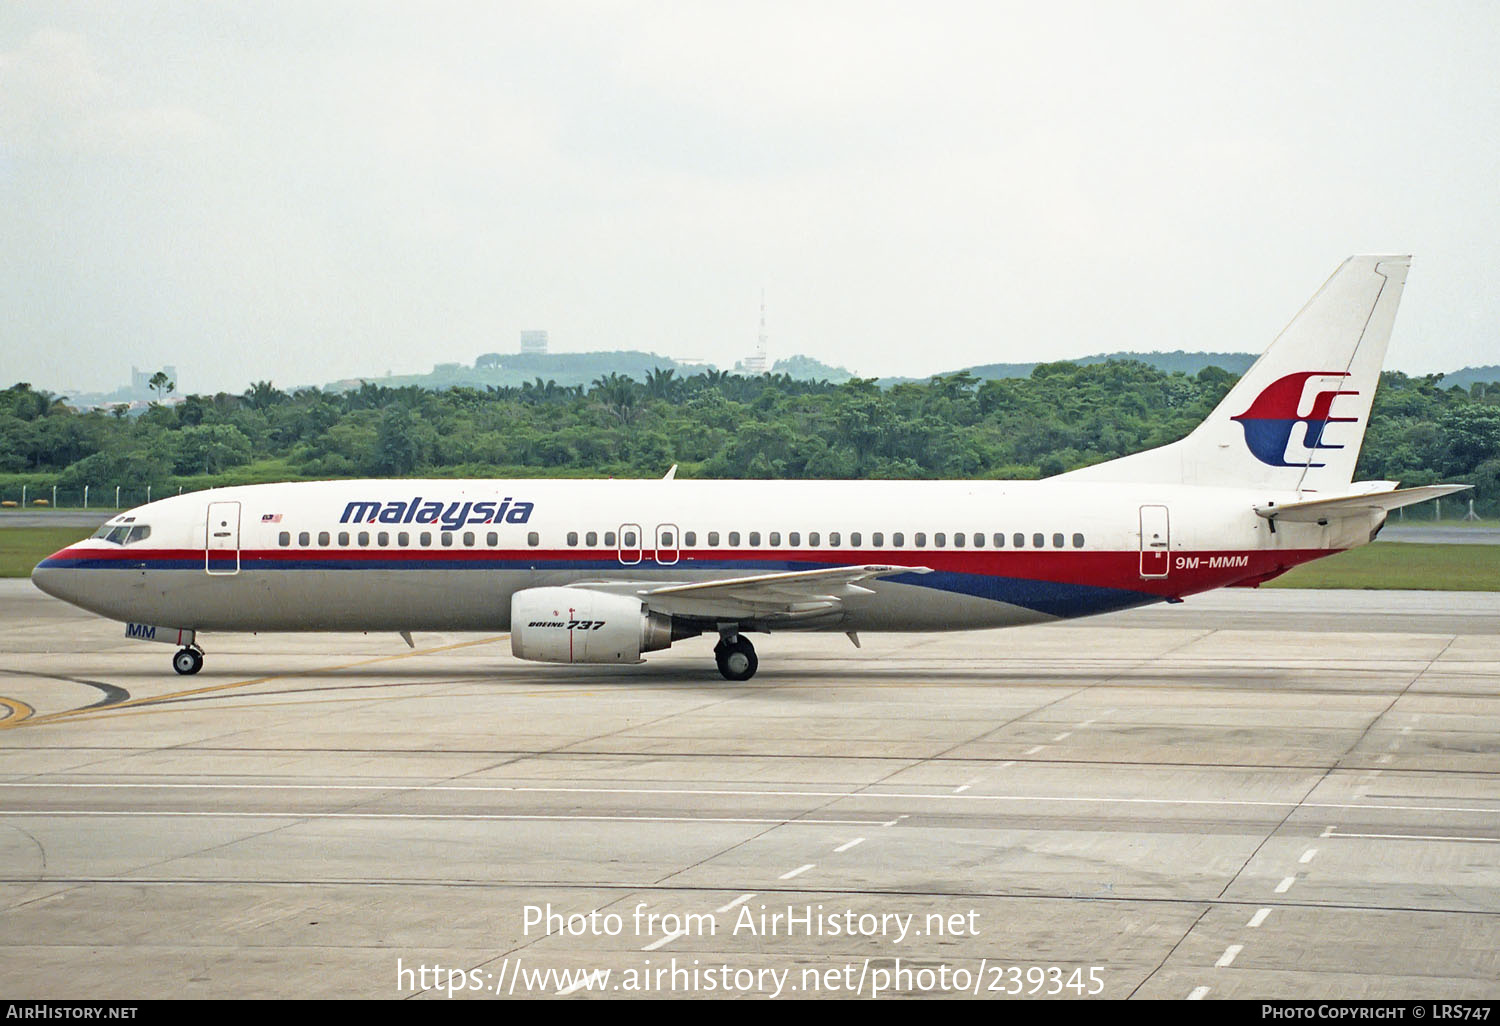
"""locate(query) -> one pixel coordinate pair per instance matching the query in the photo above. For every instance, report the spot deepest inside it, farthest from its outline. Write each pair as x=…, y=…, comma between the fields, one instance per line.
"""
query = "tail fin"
x=1296, y=420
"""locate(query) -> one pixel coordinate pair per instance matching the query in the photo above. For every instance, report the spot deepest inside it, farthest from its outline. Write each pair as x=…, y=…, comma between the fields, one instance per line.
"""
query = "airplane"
x=605, y=571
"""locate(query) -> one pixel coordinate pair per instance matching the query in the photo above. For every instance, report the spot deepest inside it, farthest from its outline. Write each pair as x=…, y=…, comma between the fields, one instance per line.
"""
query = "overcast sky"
x=307, y=191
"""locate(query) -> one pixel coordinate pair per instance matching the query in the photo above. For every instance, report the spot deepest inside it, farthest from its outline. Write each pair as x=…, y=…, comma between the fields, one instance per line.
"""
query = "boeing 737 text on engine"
x=604, y=571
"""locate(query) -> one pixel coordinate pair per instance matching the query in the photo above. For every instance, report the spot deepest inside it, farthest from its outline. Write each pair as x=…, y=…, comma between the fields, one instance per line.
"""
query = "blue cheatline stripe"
x=1054, y=598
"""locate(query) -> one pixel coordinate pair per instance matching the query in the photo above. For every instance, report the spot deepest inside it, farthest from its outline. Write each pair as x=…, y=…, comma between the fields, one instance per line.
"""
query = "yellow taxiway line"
x=22, y=714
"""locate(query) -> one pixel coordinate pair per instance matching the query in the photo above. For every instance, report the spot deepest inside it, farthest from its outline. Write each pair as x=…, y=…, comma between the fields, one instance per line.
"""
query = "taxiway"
x=1253, y=794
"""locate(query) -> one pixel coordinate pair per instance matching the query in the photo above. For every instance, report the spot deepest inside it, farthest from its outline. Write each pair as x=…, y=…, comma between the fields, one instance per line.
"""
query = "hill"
x=1167, y=363
x=1471, y=376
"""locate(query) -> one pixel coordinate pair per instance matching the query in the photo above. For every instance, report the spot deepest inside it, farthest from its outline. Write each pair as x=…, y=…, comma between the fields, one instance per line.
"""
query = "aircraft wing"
x=794, y=594
x=1318, y=510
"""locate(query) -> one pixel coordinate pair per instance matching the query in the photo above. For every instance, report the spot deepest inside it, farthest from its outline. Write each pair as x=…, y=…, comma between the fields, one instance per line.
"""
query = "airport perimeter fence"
x=104, y=498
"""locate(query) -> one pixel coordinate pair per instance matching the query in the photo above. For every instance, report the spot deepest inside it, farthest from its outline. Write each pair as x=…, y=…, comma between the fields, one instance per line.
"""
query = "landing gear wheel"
x=187, y=661
x=736, y=659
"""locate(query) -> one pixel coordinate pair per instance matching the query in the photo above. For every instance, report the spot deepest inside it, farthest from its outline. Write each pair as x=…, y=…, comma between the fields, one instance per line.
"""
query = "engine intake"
x=575, y=625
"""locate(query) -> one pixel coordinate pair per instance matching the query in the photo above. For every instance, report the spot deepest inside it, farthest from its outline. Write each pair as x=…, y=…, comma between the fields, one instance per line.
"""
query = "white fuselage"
x=450, y=554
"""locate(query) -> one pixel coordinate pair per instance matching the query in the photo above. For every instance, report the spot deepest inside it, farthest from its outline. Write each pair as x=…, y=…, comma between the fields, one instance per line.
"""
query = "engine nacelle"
x=575, y=625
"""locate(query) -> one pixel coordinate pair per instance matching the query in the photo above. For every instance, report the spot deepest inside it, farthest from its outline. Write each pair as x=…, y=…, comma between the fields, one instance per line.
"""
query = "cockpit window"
x=123, y=534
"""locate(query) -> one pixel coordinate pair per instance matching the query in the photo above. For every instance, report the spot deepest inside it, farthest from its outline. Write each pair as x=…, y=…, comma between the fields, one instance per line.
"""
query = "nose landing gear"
x=188, y=661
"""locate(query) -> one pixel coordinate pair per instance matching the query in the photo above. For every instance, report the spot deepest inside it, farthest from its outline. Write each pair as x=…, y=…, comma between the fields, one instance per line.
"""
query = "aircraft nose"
x=54, y=576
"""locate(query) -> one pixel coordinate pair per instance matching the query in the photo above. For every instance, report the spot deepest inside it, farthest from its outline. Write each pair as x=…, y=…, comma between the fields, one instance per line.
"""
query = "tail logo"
x=1271, y=418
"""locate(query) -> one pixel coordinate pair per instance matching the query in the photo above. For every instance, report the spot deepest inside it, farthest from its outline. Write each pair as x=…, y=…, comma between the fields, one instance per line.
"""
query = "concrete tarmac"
x=1254, y=794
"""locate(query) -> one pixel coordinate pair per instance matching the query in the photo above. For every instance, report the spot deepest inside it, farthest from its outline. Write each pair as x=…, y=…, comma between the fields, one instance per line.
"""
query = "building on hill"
x=756, y=363
x=140, y=381
x=534, y=342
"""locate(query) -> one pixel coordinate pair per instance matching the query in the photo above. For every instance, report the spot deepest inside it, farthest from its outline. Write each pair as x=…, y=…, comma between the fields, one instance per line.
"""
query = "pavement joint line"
x=746, y=793
x=1423, y=837
x=478, y=817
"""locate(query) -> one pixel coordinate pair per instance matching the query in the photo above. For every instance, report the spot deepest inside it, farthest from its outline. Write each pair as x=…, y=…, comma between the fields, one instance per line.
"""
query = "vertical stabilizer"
x=1296, y=420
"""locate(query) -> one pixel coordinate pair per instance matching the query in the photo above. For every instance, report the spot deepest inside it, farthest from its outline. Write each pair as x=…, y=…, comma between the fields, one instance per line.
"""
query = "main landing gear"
x=736, y=657
x=188, y=661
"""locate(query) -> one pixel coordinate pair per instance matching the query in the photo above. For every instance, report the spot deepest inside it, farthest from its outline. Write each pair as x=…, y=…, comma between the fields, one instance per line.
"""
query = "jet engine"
x=575, y=625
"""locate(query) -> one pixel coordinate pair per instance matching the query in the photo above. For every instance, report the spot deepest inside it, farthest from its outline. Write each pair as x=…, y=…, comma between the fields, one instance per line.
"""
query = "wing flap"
x=796, y=593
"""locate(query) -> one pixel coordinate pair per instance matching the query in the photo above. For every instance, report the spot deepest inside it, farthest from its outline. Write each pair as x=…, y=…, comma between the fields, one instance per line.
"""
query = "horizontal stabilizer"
x=1317, y=510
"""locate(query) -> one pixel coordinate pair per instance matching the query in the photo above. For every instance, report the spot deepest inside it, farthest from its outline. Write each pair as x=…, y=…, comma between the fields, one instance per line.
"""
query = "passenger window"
x=854, y=538
x=343, y=537
x=1057, y=541
x=447, y=538
x=492, y=539
x=469, y=539
x=958, y=539
x=940, y=539
x=833, y=538
x=690, y=538
x=403, y=539
x=630, y=539
x=426, y=538
x=754, y=537
x=383, y=538
x=812, y=539
x=591, y=539
x=1038, y=541
x=572, y=537
x=877, y=539
x=284, y=538
x=303, y=539
x=322, y=537
x=533, y=539
x=713, y=538
x=921, y=540
x=666, y=540
x=609, y=538
x=734, y=539
x=794, y=539
x=364, y=537
x=1018, y=540
x=775, y=538
x=1078, y=541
